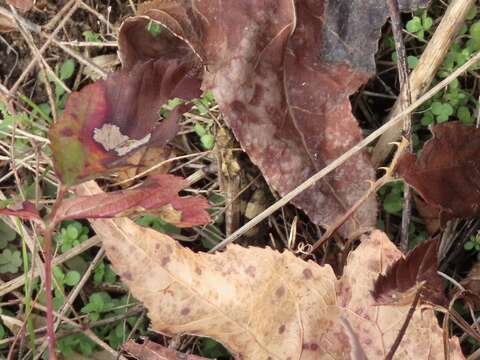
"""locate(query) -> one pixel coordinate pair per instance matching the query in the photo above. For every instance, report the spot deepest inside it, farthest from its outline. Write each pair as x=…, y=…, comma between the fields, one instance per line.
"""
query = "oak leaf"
x=263, y=304
x=282, y=73
x=106, y=122
x=447, y=161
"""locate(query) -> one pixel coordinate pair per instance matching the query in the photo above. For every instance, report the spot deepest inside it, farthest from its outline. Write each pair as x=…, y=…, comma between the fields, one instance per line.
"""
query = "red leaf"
x=24, y=210
x=403, y=279
x=450, y=160
x=158, y=195
x=282, y=73
x=108, y=120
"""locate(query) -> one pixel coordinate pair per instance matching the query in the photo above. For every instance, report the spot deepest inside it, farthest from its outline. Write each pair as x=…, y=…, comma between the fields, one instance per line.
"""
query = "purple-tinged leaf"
x=158, y=195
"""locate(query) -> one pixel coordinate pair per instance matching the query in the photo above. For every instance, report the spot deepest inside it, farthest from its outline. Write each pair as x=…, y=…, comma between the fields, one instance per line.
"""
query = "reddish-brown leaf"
x=282, y=73
x=22, y=5
x=153, y=351
x=158, y=195
x=472, y=284
x=407, y=275
x=447, y=172
x=108, y=120
x=25, y=210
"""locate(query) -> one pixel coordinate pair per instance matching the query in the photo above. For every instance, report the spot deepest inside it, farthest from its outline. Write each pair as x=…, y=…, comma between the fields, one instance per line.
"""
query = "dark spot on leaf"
x=281, y=329
x=185, y=311
x=251, y=270
x=307, y=274
x=280, y=291
x=157, y=246
x=198, y=271
x=314, y=346
x=165, y=260
x=66, y=132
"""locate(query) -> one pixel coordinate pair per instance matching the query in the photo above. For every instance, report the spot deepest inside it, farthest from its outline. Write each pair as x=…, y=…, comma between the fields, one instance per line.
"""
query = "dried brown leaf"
x=22, y=5
x=262, y=304
x=406, y=276
x=447, y=172
x=472, y=284
x=282, y=73
x=142, y=161
x=152, y=351
x=158, y=195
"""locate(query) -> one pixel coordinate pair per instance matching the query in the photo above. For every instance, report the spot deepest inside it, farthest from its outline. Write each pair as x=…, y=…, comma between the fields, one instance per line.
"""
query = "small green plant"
x=207, y=139
x=392, y=194
x=420, y=24
x=64, y=71
x=158, y=224
x=71, y=234
x=212, y=349
x=91, y=36
x=473, y=243
x=6, y=235
x=154, y=28
x=104, y=274
x=10, y=261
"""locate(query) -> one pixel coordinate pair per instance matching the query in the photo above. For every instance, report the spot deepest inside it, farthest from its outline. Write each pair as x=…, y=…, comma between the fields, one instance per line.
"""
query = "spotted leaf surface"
x=263, y=304
x=282, y=73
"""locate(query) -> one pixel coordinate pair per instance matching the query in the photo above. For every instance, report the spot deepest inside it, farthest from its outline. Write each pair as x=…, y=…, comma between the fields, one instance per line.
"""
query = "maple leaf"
x=106, y=122
x=158, y=195
x=282, y=73
x=448, y=161
x=263, y=304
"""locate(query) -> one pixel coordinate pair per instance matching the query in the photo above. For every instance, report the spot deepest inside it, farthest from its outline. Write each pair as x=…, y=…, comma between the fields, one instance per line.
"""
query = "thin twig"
x=404, y=327
x=405, y=99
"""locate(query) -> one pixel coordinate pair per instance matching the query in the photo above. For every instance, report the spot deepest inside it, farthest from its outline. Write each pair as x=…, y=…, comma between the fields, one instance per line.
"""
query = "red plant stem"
x=47, y=249
x=48, y=255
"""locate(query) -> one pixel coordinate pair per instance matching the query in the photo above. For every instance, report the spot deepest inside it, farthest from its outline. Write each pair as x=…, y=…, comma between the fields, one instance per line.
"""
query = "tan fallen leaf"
x=262, y=304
